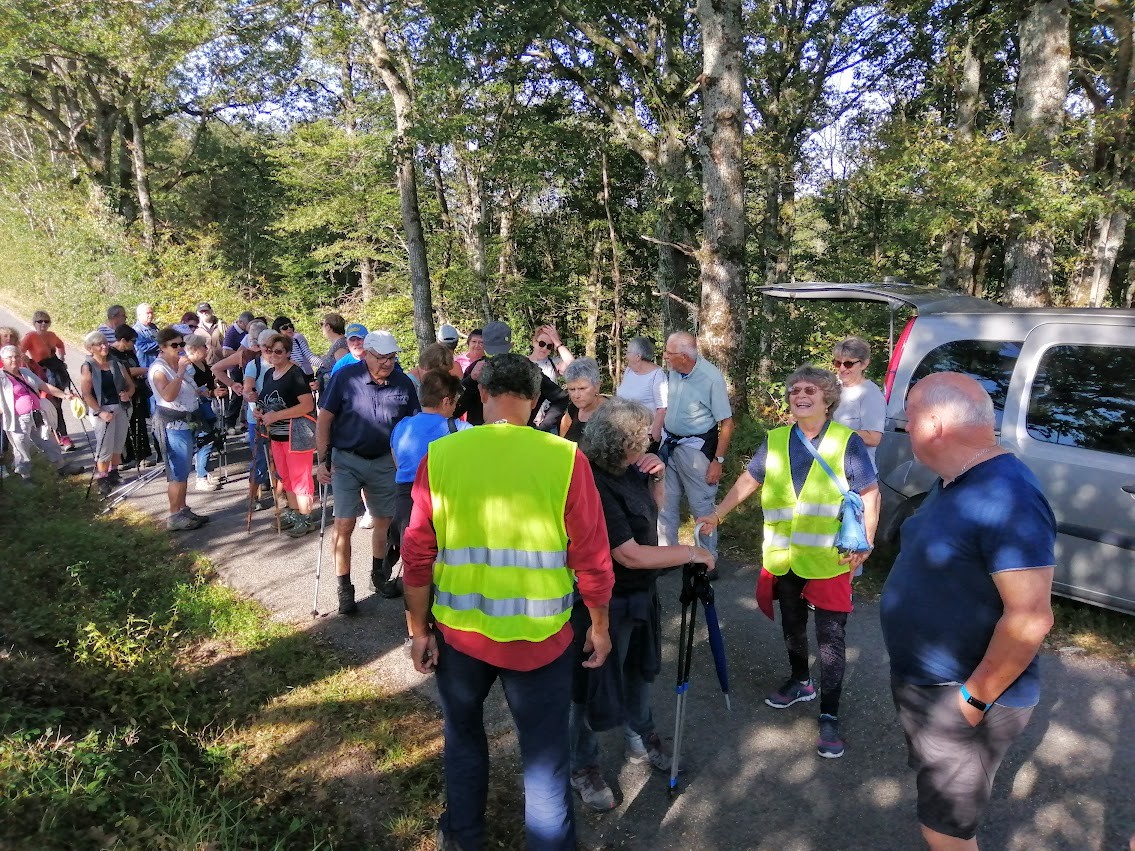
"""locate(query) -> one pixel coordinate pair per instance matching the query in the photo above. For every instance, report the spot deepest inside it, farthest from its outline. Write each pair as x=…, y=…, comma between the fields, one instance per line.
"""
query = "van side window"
x=1085, y=396
x=989, y=362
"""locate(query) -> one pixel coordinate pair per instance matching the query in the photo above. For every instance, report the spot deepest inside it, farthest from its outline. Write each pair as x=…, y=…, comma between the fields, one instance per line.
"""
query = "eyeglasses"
x=846, y=364
x=180, y=344
x=543, y=345
x=96, y=345
x=806, y=389
x=383, y=358
x=277, y=351
x=287, y=327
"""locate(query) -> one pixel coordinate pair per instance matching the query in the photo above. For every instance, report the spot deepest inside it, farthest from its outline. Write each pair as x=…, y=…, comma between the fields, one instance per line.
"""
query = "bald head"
x=957, y=400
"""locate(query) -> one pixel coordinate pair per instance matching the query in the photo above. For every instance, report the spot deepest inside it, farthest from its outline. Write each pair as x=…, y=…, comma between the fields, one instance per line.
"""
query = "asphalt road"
x=752, y=779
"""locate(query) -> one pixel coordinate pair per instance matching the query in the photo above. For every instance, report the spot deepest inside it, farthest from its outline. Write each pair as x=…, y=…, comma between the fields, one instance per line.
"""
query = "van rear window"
x=989, y=362
x=1085, y=396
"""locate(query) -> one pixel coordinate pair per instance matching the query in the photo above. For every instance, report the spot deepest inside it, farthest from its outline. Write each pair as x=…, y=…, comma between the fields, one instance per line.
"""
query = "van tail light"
x=896, y=357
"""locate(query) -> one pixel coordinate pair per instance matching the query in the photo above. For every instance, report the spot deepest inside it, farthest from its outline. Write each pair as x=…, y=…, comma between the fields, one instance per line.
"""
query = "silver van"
x=1063, y=386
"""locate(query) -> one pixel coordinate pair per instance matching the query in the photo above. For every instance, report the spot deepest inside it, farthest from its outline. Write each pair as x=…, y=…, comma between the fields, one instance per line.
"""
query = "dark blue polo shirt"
x=365, y=412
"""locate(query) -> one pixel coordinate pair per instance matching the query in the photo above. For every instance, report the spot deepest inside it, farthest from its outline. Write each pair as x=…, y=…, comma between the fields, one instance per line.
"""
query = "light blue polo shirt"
x=696, y=402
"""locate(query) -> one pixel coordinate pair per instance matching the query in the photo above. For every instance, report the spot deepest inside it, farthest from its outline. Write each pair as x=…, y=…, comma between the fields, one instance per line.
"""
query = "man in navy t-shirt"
x=966, y=606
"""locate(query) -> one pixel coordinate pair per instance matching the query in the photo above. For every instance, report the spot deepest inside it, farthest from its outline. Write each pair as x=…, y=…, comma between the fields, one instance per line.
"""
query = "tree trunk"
x=443, y=209
x=594, y=299
x=670, y=172
x=615, y=353
x=366, y=278
x=1092, y=279
x=390, y=72
x=1042, y=88
x=722, y=252
x=141, y=176
x=958, y=253
x=127, y=208
x=472, y=216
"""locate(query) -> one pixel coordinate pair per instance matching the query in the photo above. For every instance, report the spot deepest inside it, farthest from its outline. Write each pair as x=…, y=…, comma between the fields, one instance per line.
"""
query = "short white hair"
x=141, y=310
x=685, y=342
x=953, y=405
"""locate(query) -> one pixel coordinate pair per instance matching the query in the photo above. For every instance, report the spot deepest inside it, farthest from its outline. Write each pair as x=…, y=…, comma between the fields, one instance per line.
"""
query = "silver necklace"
x=980, y=454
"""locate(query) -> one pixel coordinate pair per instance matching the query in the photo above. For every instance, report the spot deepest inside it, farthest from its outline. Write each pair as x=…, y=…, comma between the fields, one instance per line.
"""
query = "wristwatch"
x=973, y=701
x=720, y=459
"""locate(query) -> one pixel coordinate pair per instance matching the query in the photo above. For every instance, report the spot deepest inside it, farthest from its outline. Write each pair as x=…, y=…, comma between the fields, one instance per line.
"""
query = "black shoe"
x=105, y=487
x=713, y=575
x=379, y=577
x=392, y=588
x=114, y=477
x=347, y=600
x=127, y=465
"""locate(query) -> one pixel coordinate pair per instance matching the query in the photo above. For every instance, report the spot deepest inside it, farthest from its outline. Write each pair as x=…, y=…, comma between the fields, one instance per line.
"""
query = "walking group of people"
x=533, y=516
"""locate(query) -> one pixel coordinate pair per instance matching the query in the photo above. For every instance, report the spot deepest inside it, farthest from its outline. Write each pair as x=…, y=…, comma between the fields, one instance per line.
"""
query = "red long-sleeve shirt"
x=588, y=556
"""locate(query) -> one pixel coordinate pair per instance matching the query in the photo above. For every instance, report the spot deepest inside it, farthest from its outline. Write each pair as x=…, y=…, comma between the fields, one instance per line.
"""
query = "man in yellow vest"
x=506, y=520
x=801, y=566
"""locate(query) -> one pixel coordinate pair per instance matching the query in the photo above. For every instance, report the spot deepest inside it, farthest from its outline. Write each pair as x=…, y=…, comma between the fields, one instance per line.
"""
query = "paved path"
x=753, y=779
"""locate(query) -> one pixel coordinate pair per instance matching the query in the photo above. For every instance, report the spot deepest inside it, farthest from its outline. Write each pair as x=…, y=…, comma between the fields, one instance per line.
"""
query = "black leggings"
x=830, y=629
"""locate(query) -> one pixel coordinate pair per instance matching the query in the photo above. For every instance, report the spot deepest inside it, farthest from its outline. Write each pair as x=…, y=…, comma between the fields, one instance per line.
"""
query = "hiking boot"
x=183, y=521
x=379, y=577
x=829, y=744
x=392, y=588
x=105, y=487
x=288, y=518
x=203, y=484
x=648, y=748
x=793, y=691
x=71, y=468
x=347, y=604
x=301, y=525
x=593, y=789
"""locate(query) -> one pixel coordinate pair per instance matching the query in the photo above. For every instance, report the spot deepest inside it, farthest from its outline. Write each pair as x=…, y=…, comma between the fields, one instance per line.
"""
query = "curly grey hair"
x=583, y=369
x=616, y=429
x=824, y=379
x=855, y=348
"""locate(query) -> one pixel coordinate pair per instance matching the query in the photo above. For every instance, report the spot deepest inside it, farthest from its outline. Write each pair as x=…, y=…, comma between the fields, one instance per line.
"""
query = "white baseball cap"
x=380, y=343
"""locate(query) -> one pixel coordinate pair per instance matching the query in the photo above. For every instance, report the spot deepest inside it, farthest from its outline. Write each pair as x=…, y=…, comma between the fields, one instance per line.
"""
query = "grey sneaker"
x=649, y=749
x=183, y=521
x=301, y=525
x=829, y=744
x=593, y=789
x=793, y=691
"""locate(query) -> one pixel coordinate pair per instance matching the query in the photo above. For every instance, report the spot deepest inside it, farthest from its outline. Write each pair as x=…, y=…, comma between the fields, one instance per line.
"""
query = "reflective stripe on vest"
x=499, y=493
x=503, y=558
x=800, y=532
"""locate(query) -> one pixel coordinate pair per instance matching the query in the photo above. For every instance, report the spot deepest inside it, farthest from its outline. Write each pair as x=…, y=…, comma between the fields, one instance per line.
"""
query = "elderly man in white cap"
x=357, y=413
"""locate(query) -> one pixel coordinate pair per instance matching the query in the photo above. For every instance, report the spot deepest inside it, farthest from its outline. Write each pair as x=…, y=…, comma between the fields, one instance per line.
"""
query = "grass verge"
x=146, y=706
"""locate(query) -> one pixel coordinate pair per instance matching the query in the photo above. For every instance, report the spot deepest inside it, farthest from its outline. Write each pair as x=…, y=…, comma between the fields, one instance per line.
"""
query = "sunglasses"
x=287, y=327
x=543, y=345
x=277, y=351
x=846, y=364
x=178, y=345
x=43, y=322
x=191, y=327
x=807, y=390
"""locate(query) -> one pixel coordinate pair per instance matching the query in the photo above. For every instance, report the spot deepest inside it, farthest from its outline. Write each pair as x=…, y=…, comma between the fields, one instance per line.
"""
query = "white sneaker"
x=203, y=484
x=593, y=789
x=366, y=521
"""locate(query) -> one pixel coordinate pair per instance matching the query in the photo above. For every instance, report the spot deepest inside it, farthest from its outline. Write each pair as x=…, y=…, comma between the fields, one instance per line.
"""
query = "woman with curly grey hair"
x=581, y=380
x=801, y=568
x=630, y=485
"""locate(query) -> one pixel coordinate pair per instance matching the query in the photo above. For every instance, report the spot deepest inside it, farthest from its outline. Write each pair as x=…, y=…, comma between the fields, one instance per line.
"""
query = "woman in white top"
x=862, y=406
x=175, y=393
x=645, y=382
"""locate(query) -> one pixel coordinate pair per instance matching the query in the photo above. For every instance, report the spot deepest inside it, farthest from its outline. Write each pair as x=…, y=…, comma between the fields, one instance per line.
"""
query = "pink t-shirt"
x=25, y=400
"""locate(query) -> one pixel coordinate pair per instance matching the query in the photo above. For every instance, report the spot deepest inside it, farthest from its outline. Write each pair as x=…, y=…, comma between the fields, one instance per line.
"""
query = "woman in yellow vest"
x=801, y=567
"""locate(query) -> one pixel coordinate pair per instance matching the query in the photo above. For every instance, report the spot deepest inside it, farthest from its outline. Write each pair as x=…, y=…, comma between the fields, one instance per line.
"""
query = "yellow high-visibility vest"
x=800, y=532
x=499, y=493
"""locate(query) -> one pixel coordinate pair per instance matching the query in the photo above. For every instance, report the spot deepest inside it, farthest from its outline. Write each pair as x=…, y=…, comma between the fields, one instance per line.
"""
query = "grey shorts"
x=352, y=475
x=955, y=763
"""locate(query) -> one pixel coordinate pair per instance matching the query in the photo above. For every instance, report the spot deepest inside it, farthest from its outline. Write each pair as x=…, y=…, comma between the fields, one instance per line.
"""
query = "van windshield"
x=989, y=362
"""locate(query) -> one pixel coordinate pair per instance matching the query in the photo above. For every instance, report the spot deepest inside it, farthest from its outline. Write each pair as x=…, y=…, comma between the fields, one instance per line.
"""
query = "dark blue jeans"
x=539, y=703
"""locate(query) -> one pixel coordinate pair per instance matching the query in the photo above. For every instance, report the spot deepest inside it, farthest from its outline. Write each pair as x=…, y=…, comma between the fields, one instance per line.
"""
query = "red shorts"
x=293, y=468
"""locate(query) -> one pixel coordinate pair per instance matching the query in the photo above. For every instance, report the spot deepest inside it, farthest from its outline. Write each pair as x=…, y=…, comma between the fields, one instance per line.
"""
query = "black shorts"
x=955, y=762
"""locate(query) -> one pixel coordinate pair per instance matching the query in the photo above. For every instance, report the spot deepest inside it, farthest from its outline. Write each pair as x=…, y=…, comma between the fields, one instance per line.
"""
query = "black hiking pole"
x=695, y=587
x=319, y=558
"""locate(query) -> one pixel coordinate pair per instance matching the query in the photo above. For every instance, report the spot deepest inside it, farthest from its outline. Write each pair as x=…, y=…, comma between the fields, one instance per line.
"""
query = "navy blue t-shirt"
x=940, y=606
x=365, y=412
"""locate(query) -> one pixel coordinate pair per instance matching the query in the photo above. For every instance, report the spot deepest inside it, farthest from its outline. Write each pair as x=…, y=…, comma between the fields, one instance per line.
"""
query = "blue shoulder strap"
x=827, y=469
